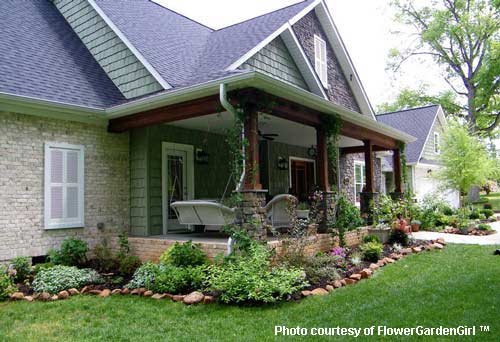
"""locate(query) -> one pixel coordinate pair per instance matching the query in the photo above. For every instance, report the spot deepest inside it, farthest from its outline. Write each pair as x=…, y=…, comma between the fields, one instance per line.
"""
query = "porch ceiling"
x=289, y=132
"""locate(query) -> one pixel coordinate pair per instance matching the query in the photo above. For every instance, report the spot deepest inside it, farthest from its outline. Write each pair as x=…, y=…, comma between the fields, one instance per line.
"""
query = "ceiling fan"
x=268, y=136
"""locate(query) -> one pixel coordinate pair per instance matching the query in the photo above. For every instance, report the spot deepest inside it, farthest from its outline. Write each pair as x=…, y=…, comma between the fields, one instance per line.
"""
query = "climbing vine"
x=332, y=125
x=404, y=168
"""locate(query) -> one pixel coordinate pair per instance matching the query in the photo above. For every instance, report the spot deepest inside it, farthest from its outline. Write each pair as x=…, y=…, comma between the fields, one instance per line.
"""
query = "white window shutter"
x=64, y=177
x=320, y=60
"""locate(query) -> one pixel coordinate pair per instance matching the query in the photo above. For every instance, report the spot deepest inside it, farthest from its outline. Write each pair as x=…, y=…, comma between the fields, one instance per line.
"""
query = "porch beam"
x=370, y=188
x=179, y=111
x=396, y=162
x=360, y=149
x=322, y=159
x=361, y=133
x=252, y=174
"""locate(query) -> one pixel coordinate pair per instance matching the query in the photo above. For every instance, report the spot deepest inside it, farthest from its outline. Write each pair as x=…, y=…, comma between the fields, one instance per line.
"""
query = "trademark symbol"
x=484, y=328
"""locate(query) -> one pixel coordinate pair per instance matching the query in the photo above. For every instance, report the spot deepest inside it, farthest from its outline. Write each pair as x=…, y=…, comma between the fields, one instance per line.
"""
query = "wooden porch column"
x=370, y=185
x=396, y=161
x=322, y=160
x=252, y=175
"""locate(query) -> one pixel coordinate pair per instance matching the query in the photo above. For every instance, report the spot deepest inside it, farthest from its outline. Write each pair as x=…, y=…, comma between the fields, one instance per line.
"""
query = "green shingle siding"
x=274, y=59
x=121, y=65
x=428, y=152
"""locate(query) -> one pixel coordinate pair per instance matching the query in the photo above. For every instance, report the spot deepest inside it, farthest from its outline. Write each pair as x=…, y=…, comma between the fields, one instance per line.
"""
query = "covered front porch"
x=181, y=152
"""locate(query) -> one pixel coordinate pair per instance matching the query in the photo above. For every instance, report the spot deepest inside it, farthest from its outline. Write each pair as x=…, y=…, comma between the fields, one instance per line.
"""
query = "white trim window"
x=437, y=147
x=359, y=179
x=64, y=186
x=320, y=60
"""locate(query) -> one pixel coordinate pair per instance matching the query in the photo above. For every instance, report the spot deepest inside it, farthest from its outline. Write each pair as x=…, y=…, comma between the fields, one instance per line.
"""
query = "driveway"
x=493, y=239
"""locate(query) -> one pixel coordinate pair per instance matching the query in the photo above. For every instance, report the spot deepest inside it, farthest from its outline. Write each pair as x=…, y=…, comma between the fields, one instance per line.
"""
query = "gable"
x=428, y=150
x=339, y=90
x=123, y=67
x=275, y=59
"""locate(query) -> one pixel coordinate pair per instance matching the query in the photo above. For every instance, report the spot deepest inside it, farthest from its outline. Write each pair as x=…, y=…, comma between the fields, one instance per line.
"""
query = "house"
x=422, y=155
x=111, y=110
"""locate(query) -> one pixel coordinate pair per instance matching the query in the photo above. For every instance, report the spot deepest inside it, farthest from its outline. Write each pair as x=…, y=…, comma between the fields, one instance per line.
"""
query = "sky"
x=365, y=27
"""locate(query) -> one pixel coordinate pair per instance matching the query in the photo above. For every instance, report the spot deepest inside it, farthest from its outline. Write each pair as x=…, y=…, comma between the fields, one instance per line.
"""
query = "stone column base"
x=366, y=199
x=252, y=214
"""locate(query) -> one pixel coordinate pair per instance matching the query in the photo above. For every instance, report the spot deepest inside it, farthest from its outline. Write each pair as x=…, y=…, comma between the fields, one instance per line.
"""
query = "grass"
x=457, y=286
x=493, y=198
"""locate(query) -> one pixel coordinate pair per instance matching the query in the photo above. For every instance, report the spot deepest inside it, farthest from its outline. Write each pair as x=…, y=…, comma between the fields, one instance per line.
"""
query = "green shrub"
x=104, y=259
x=321, y=268
x=6, y=284
x=58, y=278
x=448, y=211
x=487, y=206
x=398, y=236
x=173, y=279
x=144, y=276
x=371, y=251
x=73, y=252
x=487, y=213
x=38, y=267
x=371, y=238
x=128, y=264
x=474, y=215
x=22, y=265
x=183, y=255
x=251, y=278
x=483, y=226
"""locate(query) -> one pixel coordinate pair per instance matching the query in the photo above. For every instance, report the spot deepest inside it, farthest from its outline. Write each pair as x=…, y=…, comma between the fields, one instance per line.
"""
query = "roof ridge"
x=184, y=16
x=261, y=15
x=408, y=109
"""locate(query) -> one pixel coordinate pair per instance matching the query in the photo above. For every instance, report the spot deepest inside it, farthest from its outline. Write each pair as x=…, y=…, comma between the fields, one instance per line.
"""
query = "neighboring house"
x=422, y=156
x=111, y=110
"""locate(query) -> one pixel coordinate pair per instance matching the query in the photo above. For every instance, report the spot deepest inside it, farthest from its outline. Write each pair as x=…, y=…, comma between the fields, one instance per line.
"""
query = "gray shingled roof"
x=416, y=122
x=183, y=51
x=42, y=57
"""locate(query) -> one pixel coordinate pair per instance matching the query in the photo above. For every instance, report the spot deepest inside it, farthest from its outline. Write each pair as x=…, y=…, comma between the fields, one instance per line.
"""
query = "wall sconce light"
x=282, y=163
x=201, y=156
x=312, y=151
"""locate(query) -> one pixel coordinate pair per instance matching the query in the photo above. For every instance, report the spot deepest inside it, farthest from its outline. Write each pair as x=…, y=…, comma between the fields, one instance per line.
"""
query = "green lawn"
x=493, y=198
x=457, y=286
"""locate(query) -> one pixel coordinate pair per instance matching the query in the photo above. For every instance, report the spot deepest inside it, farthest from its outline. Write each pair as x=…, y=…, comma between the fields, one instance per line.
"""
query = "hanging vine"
x=332, y=125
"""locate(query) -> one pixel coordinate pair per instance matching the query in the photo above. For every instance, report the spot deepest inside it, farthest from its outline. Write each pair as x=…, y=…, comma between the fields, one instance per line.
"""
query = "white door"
x=177, y=182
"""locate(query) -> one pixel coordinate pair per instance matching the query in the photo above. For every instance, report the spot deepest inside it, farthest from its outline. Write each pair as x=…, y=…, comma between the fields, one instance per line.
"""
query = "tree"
x=411, y=98
x=465, y=160
x=463, y=37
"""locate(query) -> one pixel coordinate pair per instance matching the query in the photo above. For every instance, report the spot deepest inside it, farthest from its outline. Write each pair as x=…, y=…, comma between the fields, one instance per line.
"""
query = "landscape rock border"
x=198, y=297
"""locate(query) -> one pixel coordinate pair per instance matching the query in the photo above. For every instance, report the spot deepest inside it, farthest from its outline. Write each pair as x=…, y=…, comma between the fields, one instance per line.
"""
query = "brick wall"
x=339, y=90
x=22, y=139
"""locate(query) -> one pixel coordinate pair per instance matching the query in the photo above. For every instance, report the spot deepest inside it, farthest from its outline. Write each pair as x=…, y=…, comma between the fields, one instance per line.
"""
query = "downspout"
x=229, y=107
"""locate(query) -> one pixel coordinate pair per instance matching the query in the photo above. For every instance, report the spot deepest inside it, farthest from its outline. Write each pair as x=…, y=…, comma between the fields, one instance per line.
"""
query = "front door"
x=301, y=178
x=177, y=182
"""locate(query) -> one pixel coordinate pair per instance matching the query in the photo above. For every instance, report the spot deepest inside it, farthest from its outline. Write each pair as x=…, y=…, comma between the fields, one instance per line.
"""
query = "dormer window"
x=437, y=149
x=320, y=61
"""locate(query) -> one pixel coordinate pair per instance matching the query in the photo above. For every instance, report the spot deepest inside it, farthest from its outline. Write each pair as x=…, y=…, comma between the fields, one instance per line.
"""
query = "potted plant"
x=303, y=210
x=415, y=225
x=382, y=231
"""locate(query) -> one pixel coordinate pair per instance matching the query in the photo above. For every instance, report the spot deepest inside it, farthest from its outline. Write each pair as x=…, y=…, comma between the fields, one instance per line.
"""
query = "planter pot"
x=303, y=214
x=382, y=234
x=415, y=227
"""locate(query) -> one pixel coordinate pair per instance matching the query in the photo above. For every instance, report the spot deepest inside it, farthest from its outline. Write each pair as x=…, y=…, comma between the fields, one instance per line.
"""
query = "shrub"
x=251, y=278
x=104, y=260
x=58, y=278
x=483, y=226
x=22, y=265
x=487, y=206
x=487, y=213
x=371, y=251
x=38, y=267
x=474, y=215
x=348, y=218
x=128, y=264
x=398, y=236
x=72, y=253
x=144, y=276
x=446, y=210
x=183, y=255
x=371, y=238
x=321, y=268
x=173, y=279
x=6, y=284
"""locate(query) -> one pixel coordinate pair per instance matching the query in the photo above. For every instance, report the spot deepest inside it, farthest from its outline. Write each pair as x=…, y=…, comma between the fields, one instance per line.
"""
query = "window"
x=359, y=179
x=437, y=149
x=320, y=61
x=64, y=176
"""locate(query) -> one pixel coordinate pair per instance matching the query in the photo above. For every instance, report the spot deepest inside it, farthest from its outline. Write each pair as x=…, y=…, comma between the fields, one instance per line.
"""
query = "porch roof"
x=203, y=100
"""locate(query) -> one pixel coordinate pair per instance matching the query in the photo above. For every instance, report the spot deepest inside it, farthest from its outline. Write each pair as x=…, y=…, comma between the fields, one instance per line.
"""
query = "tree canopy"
x=462, y=37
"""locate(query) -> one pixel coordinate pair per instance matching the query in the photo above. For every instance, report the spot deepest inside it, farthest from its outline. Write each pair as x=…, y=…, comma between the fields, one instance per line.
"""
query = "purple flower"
x=338, y=251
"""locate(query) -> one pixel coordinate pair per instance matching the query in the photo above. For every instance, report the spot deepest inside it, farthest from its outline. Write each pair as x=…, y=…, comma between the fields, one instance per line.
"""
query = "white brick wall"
x=22, y=139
